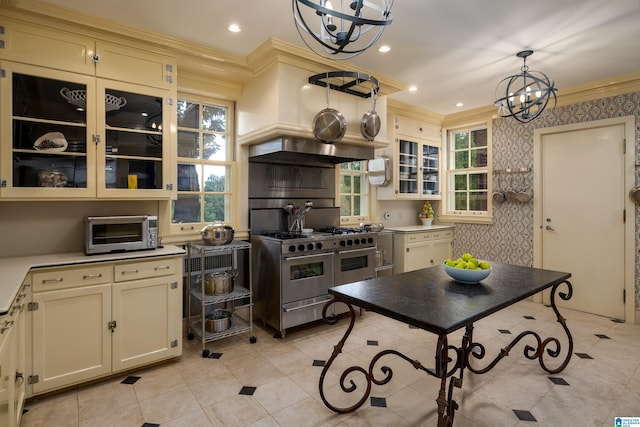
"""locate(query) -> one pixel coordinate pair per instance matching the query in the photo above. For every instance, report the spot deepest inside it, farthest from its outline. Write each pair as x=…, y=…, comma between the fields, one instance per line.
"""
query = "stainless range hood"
x=287, y=149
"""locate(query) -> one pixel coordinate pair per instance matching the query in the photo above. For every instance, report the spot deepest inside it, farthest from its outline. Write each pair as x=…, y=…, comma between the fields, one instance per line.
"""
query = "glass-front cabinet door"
x=430, y=169
x=59, y=142
x=47, y=126
x=418, y=170
x=133, y=151
x=408, y=162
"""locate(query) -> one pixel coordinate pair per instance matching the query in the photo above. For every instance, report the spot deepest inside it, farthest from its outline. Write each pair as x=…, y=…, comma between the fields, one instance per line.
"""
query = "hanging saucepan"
x=370, y=122
x=329, y=125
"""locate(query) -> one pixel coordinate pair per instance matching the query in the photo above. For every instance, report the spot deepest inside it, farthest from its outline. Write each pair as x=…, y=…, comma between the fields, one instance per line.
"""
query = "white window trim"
x=180, y=231
x=473, y=217
x=352, y=219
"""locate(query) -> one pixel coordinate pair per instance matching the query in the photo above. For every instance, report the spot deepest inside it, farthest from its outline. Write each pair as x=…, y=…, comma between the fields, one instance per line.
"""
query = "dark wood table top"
x=430, y=299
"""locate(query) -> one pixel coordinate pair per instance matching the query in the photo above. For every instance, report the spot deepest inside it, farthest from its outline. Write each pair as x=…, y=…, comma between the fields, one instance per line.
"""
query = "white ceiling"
x=453, y=50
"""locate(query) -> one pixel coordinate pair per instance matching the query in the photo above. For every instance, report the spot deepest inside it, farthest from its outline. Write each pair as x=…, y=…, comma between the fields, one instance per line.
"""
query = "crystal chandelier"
x=525, y=95
x=344, y=30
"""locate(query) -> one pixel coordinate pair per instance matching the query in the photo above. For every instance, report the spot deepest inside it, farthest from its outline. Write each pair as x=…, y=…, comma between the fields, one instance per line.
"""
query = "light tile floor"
x=197, y=391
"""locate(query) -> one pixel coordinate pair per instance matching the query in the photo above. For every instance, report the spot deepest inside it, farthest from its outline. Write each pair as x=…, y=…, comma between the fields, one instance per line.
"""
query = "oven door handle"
x=350, y=251
x=297, y=257
x=302, y=307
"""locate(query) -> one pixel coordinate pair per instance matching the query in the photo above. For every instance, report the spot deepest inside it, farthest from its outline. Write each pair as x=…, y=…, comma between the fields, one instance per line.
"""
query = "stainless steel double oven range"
x=292, y=271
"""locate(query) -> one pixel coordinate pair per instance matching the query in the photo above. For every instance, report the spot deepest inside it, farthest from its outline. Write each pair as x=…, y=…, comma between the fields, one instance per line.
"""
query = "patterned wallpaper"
x=510, y=238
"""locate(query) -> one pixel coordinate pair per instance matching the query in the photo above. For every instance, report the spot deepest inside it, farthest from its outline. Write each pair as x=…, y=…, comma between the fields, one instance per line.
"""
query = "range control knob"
x=318, y=245
x=301, y=247
x=292, y=248
x=356, y=241
x=310, y=246
x=370, y=240
x=349, y=242
x=343, y=243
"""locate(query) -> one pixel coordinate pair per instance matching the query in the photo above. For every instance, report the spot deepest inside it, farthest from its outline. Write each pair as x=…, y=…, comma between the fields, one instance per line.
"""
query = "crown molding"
x=407, y=110
x=193, y=56
x=278, y=51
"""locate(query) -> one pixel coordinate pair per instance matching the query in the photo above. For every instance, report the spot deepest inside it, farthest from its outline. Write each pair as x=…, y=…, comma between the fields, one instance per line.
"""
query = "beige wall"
x=33, y=228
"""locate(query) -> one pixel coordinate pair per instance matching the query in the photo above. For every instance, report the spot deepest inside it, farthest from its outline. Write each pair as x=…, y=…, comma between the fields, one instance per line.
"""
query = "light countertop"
x=413, y=228
x=13, y=270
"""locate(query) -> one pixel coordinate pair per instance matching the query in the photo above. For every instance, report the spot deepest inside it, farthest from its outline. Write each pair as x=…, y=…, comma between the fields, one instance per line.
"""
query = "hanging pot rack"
x=354, y=83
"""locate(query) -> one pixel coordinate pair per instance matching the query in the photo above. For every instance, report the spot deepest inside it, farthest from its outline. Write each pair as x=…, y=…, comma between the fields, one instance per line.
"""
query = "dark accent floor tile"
x=529, y=317
x=504, y=331
x=150, y=425
x=380, y=402
x=558, y=381
x=524, y=415
x=319, y=362
x=603, y=336
x=583, y=356
x=372, y=342
x=214, y=355
x=131, y=379
x=247, y=391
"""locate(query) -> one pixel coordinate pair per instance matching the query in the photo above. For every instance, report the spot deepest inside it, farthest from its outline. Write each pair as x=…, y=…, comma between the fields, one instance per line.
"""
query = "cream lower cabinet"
x=92, y=320
x=13, y=360
x=421, y=249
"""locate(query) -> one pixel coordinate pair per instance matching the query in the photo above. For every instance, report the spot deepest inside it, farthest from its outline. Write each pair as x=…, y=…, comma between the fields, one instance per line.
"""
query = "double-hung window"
x=468, y=168
x=205, y=162
x=354, y=192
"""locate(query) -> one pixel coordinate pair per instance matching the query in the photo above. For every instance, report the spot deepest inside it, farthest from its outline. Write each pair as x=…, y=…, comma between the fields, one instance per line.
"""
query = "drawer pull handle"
x=92, y=276
x=130, y=272
x=162, y=267
x=7, y=325
x=58, y=280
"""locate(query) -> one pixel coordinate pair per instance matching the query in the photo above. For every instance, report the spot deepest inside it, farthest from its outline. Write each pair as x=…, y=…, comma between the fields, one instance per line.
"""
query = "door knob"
x=550, y=228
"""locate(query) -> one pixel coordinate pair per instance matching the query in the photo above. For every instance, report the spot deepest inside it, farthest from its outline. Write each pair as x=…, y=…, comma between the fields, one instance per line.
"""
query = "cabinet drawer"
x=72, y=277
x=422, y=236
x=144, y=269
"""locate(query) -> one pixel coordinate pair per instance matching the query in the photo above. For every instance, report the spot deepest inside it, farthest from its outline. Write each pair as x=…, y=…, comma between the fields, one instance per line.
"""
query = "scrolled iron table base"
x=449, y=369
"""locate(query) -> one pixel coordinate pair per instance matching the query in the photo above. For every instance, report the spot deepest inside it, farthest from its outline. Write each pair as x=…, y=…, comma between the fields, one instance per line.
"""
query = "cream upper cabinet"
x=122, y=63
x=33, y=44
x=46, y=149
x=416, y=161
x=413, y=128
x=60, y=142
x=51, y=48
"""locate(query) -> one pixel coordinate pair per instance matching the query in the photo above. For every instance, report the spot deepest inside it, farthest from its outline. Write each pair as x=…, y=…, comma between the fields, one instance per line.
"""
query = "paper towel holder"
x=380, y=171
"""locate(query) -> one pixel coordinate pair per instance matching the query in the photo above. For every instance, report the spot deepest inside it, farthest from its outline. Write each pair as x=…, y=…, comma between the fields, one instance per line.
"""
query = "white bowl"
x=307, y=231
x=466, y=276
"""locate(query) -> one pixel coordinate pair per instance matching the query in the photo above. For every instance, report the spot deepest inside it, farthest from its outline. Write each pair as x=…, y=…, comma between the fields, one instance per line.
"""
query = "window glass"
x=354, y=191
x=205, y=162
x=467, y=173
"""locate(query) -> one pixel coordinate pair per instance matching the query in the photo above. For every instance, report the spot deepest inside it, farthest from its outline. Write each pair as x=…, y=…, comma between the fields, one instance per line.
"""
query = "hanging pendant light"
x=524, y=96
x=343, y=29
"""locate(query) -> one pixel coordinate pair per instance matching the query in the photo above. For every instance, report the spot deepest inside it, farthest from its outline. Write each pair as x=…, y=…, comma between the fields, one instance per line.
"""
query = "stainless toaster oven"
x=105, y=234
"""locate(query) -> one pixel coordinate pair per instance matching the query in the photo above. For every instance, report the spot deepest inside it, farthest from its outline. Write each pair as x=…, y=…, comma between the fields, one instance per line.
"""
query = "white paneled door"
x=579, y=212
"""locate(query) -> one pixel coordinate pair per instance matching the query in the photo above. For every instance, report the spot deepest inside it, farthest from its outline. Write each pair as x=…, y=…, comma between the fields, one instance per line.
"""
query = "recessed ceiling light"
x=384, y=48
x=234, y=28
x=413, y=88
x=459, y=104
